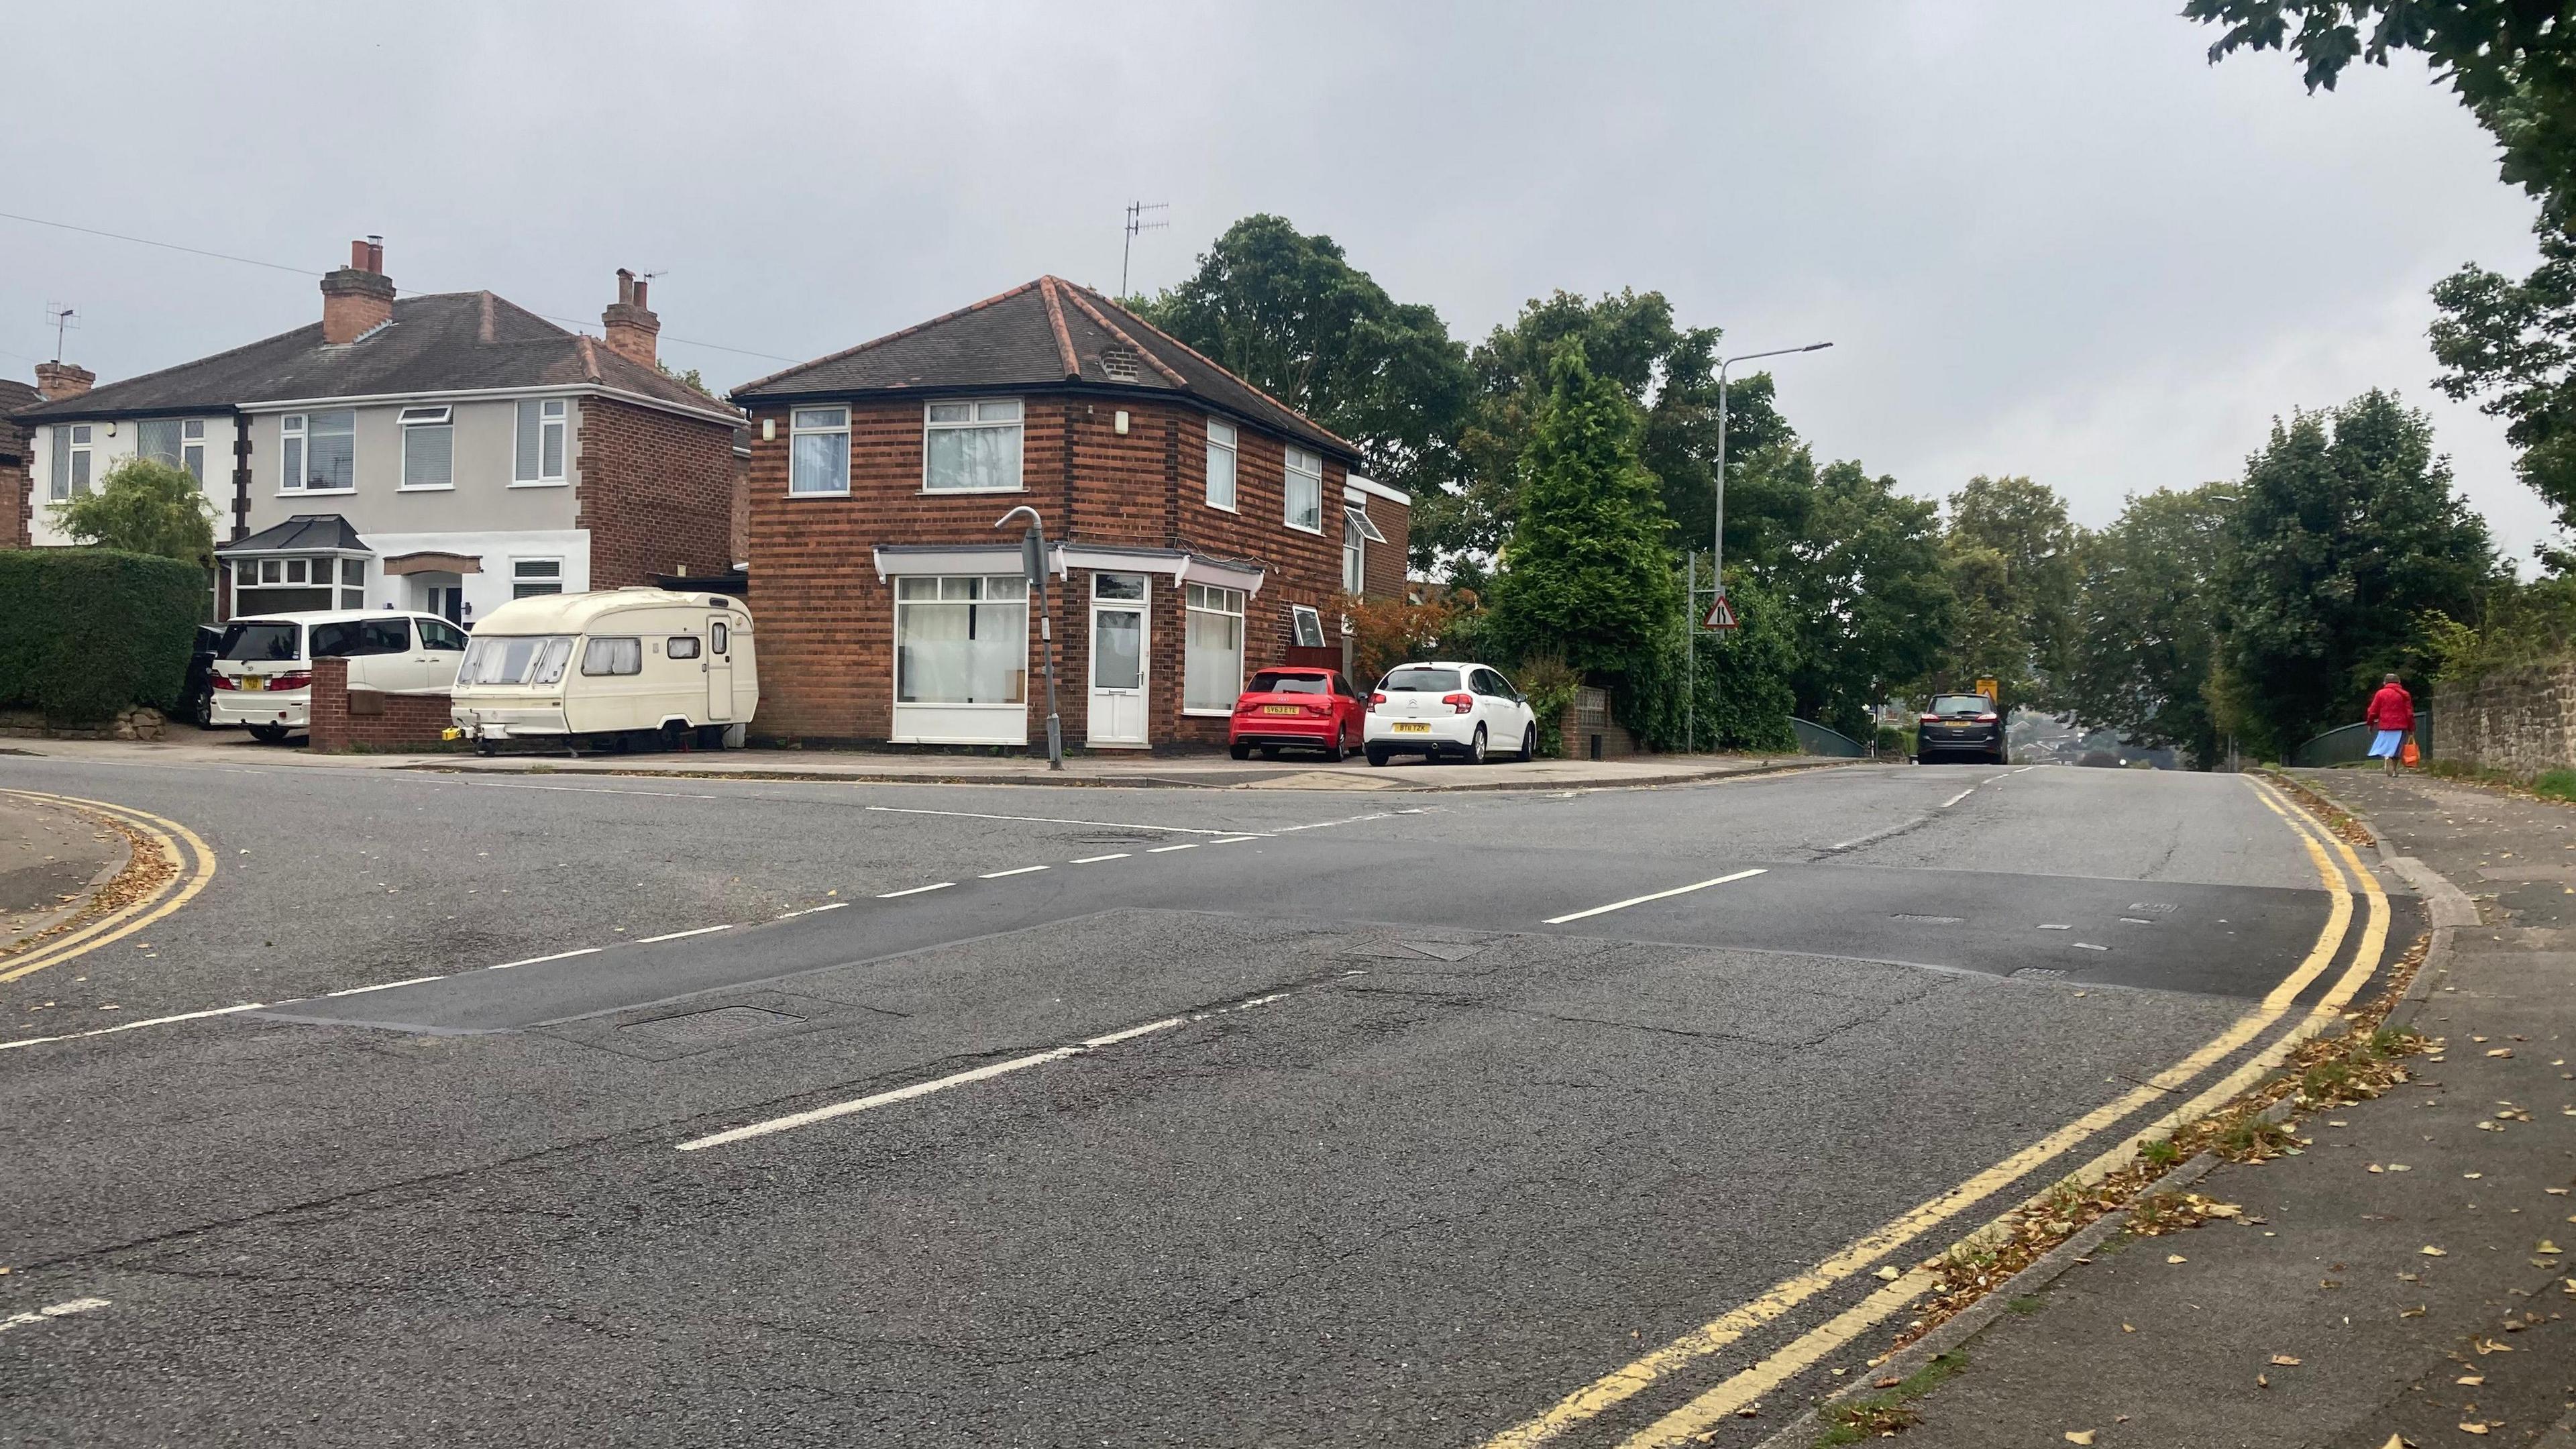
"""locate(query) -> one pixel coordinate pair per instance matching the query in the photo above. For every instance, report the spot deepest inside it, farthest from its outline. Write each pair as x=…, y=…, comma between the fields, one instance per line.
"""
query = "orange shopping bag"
x=2409, y=756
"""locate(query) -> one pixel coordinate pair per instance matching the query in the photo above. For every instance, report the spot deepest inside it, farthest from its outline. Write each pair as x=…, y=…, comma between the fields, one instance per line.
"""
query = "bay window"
x=818, y=451
x=1305, y=491
x=971, y=447
x=1212, y=650
x=962, y=640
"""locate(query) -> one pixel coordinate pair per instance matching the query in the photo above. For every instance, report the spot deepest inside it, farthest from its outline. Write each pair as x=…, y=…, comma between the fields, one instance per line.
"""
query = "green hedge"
x=85, y=632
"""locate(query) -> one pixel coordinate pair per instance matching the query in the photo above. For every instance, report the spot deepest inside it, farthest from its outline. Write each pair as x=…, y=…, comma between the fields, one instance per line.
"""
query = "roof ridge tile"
x=1165, y=368
x=1063, y=338
x=1225, y=372
x=808, y=366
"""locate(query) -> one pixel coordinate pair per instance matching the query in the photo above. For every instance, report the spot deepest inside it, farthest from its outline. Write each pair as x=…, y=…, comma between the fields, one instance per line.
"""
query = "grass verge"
x=1889, y=1411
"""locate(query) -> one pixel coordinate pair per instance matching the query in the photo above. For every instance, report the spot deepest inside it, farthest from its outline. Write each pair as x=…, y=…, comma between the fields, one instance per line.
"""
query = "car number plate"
x=253, y=682
x=1281, y=709
x=1412, y=729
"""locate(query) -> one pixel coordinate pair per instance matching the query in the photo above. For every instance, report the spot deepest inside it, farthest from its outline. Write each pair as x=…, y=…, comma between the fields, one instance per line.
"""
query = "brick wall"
x=656, y=493
x=827, y=621
x=1385, y=565
x=17, y=483
x=342, y=718
x=1588, y=715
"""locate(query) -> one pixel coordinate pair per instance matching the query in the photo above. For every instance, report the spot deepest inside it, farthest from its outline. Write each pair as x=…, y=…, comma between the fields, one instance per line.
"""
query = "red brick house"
x=1200, y=530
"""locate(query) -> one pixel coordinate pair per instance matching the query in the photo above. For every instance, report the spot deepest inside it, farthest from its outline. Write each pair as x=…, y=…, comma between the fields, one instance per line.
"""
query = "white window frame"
x=296, y=435
x=975, y=421
x=1303, y=620
x=517, y=577
x=192, y=448
x=797, y=427
x=70, y=477
x=412, y=420
x=1232, y=446
x=1297, y=463
x=554, y=414
x=1218, y=600
x=1354, y=555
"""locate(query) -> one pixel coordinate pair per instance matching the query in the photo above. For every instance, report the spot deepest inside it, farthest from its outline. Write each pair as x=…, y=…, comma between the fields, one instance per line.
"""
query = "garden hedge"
x=85, y=632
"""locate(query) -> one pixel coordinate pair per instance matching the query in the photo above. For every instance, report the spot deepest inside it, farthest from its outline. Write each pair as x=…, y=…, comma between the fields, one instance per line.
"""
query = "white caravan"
x=617, y=667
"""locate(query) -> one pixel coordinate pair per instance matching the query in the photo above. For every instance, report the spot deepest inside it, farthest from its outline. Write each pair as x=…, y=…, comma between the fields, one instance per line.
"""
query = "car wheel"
x=202, y=713
x=1377, y=756
x=1529, y=744
x=1476, y=747
x=1340, y=749
x=268, y=734
x=1240, y=752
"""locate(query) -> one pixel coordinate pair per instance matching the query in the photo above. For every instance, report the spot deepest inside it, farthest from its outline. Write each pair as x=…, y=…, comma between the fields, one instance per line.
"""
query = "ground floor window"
x=291, y=585
x=530, y=577
x=1212, y=653
x=962, y=640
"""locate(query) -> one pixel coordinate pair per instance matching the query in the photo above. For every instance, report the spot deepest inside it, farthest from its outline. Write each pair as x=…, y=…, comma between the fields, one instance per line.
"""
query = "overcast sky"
x=2045, y=238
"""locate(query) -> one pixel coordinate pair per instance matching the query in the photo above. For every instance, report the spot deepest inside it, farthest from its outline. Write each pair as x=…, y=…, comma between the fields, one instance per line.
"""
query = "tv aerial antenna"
x=1138, y=214
x=61, y=317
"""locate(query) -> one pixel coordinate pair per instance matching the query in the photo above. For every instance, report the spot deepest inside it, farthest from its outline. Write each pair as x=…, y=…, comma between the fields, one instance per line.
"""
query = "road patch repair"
x=2370, y=1249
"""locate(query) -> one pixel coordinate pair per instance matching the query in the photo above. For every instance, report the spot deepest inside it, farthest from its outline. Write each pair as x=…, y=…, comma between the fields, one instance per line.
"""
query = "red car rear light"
x=222, y=681
x=1931, y=719
x=1463, y=702
x=1988, y=718
x=301, y=679
x=1376, y=698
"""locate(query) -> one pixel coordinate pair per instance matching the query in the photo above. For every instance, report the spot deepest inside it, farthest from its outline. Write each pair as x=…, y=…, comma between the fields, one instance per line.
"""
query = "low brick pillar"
x=370, y=719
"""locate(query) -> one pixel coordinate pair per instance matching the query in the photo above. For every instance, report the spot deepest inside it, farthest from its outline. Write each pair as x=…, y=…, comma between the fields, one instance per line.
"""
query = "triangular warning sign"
x=1720, y=615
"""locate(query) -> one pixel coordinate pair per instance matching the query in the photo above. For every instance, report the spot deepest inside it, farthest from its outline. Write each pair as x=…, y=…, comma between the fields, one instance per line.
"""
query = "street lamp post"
x=1717, y=542
x=1033, y=563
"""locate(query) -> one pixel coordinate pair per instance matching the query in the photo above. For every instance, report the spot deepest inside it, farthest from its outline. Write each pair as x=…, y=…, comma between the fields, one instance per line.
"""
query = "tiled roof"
x=15, y=395
x=304, y=530
x=445, y=342
x=1042, y=333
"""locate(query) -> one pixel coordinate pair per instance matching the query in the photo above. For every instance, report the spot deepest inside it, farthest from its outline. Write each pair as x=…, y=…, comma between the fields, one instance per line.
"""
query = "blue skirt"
x=2387, y=744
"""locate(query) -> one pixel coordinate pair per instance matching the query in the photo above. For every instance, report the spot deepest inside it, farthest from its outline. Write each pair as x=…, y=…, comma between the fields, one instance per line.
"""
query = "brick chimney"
x=59, y=380
x=631, y=325
x=358, y=297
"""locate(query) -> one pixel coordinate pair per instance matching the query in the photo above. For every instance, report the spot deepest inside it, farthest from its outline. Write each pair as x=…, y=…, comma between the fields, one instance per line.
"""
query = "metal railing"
x=2347, y=743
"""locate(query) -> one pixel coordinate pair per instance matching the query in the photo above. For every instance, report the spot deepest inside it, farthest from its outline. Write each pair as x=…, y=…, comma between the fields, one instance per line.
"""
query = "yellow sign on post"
x=1991, y=689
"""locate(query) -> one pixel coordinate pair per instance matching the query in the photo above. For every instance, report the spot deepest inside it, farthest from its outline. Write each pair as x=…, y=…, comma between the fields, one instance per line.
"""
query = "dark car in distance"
x=1961, y=726
x=197, y=691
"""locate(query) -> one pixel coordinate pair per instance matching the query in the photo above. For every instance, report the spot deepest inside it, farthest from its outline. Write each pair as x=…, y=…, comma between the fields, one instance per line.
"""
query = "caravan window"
x=515, y=659
x=613, y=656
x=683, y=646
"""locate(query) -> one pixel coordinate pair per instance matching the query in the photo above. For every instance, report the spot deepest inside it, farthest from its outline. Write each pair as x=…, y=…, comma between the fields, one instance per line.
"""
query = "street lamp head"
x=1034, y=520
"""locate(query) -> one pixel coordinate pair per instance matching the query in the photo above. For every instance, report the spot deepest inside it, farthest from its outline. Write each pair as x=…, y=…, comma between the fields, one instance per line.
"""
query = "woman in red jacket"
x=2392, y=710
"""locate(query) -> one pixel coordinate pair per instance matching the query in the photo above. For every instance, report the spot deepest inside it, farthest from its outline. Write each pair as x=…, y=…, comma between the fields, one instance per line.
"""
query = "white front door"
x=719, y=671
x=1118, y=664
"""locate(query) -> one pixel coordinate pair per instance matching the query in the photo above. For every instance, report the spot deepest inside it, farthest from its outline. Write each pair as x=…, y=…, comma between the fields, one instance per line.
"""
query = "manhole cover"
x=1928, y=920
x=699, y=1028
x=2039, y=973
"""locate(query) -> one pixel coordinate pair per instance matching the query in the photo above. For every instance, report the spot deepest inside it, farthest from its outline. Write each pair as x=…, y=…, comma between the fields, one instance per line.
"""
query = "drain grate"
x=703, y=1028
x=2039, y=973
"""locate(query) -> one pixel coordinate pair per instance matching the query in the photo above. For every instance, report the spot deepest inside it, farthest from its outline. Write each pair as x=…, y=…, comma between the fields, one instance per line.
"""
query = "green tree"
x=143, y=506
x=1865, y=583
x=2147, y=620
x=2345, y=532
x=1288, y=313
x=2513, y=64
x=2011, y=557
x=1586, y=576
x=1665, y=371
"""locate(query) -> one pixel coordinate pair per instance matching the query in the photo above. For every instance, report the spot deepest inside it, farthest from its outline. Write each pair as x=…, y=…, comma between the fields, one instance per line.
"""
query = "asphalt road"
x=1029, y=1116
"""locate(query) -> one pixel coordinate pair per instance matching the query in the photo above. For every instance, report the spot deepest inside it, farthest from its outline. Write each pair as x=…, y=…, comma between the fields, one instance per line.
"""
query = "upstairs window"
x=318, y=452
x=158, y=440
x=71, y=463
x=818, y=451
x=540, y=460
x=428, y=448
x=1220, y=465
x=1305, y=490
x=972, y=447
x=192, y=449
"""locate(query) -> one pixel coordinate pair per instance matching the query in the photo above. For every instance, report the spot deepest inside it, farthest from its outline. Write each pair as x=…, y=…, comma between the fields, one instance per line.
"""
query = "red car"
x=1296, y=707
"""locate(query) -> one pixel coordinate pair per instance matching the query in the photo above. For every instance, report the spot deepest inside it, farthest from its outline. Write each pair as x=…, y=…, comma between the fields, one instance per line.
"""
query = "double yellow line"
x=1765, y=1376
x=190, y=861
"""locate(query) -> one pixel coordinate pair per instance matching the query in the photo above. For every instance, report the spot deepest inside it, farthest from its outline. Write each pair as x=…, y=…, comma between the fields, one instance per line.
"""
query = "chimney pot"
x=358, y=298
x=632, y=329
x=58, y=380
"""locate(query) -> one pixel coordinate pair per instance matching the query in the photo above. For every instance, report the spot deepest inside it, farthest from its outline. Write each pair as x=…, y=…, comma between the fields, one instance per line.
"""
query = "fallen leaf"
x=1888, y=1274
x=2261, y=1382
x=2499, y=1051
x=2546, y=1246
x=2079, y=1436
x=2124, y=1328
x=2375, y=1167
x=2176, y=1258
x=2396, y=1442
x=2429, y=1251
x=2472, y=1380
x=2472, y=1176
x=2470, y=1426
x=2416, y=1312
x=2399, y=1167
x=2284, y=1360
x=2555, y=1191
x=1886, y=1383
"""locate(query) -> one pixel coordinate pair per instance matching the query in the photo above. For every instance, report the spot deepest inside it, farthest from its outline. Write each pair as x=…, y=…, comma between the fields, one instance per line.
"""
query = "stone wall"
x=1588, y=718
x=343, y=718
x=2521, y=720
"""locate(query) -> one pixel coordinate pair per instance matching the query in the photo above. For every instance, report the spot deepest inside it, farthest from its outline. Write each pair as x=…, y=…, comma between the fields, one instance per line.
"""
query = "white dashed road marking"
x=1657, y=896
x=52, y=1310
x=676, y=935
x=1168, y=849
x=1097, y=859
x=1051, y=820
x=998, y=874
x=1962, y=795
x=916, y=890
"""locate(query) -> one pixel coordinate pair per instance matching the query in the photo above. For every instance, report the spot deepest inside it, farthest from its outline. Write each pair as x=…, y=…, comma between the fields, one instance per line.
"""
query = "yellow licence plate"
x=1281, y=709
x=253, y=682
x=1412, y=729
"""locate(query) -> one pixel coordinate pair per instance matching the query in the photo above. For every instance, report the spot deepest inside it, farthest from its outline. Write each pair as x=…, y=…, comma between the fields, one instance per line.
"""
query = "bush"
x=85, y=632
x=1550, y=684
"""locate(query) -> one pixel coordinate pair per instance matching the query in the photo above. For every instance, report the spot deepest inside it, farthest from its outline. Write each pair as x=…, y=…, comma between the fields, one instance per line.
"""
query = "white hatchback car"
x=1447, y=707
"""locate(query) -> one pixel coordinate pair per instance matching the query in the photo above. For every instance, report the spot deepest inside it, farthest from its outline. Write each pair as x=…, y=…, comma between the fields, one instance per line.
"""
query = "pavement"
x=522, y=1109
x=2404, y=1279
x=51, y=860
x=1132, y=769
